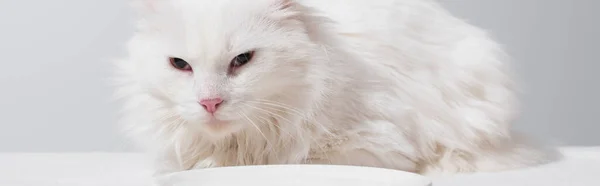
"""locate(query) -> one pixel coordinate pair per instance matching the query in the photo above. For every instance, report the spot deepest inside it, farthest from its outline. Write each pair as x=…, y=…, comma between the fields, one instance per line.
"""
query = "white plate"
x=294, y=175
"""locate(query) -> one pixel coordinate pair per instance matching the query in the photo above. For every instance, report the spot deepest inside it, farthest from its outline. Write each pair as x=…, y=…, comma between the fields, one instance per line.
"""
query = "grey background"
x=55, y=60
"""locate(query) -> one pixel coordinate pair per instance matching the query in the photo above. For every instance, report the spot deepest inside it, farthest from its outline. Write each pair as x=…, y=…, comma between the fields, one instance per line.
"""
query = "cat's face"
x=222, y=65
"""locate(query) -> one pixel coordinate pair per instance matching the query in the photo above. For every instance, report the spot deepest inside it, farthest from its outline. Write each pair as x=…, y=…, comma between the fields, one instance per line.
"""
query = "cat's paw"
x=206, y=163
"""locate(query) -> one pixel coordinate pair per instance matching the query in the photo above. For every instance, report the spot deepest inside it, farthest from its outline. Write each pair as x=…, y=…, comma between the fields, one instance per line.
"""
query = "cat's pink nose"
x=211, y=104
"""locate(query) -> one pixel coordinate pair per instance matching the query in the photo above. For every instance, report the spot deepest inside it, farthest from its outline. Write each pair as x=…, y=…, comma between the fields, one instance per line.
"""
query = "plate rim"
x=418, y=178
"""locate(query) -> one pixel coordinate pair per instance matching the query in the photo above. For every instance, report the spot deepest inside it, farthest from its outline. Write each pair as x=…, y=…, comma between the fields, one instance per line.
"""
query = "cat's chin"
x=218, y=129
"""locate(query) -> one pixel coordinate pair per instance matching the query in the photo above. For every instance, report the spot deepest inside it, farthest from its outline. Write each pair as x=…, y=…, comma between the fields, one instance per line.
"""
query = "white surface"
x=295, y=175
x=88, y=169
x=581, y=167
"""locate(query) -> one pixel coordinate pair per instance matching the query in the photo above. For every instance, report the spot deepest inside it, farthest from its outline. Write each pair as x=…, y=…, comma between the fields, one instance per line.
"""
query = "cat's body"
x=397, y=84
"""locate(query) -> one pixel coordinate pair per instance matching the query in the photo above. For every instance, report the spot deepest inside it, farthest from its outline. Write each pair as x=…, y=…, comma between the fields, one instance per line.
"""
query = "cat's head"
x=222, y=66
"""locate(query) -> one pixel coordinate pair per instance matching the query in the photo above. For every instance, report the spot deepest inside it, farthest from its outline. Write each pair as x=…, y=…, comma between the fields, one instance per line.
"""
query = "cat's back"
x=386, y=17
x=414, y=47
x=354, y=15
x=382, y=30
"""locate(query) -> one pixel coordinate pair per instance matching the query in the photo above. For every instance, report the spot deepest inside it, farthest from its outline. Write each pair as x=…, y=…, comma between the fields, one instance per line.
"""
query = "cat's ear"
x=294, y=13
x=284, y=8
x=284, y=4
x=145, y=6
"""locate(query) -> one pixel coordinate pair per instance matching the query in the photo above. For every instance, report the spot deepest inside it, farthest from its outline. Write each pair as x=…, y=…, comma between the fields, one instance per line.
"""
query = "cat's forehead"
x=204, y=14
x=209, y=28
x=222, y=8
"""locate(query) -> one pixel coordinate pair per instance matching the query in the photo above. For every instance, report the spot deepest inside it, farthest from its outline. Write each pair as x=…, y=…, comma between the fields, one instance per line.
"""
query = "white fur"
x=398, y=84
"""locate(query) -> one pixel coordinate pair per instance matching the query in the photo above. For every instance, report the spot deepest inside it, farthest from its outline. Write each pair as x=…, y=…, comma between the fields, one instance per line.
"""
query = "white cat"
x=398, y=84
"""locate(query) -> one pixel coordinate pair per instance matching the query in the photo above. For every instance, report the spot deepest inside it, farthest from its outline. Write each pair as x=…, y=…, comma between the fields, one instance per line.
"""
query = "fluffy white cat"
x=398, y=84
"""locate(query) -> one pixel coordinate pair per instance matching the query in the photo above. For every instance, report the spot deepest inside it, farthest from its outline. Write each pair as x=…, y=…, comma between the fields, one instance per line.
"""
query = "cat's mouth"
x=215, y=125
x=216, y=122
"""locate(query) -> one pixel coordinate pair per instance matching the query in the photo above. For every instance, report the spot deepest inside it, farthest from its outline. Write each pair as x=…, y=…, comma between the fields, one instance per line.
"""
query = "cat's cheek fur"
x=387, y=90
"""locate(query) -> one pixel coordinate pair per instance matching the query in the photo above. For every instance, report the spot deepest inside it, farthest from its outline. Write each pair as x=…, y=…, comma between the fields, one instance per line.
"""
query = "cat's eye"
x=180, y=64
x=242, y=59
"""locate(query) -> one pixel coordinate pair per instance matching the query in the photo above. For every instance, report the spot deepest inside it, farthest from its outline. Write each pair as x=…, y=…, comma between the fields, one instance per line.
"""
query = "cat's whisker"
x=288, y=121
x=280, y=106
x=272, y=114
x=280, y=129
x=315, y=122
x=273, y=145
x=289, y=134
x=257, y=127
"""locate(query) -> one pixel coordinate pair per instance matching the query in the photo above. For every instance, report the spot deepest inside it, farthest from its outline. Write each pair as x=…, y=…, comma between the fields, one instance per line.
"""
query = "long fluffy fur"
x=398, y=84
